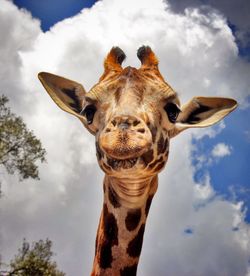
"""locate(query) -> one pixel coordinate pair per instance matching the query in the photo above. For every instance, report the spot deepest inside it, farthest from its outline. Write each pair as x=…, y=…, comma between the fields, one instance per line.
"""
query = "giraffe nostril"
x=113, y=122
x=136, y=122
x=107, y=130
x=141, y=130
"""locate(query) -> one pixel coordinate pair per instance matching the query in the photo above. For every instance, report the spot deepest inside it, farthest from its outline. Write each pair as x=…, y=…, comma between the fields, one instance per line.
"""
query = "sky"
x=199, y=220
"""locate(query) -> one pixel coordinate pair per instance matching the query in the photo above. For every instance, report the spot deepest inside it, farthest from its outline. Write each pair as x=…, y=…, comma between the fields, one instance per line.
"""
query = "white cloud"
x=236, y=11
x=221, y=150
x=207, y=159
x=193, y=49
x=211, y=132
x=203, y=191
x=18, y=32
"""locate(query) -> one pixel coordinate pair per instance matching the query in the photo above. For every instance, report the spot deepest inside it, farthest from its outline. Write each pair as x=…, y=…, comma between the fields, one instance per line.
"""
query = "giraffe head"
x=133, y=113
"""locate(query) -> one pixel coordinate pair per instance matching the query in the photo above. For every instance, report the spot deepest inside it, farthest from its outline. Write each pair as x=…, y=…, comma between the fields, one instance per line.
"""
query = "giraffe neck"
x=121, y=227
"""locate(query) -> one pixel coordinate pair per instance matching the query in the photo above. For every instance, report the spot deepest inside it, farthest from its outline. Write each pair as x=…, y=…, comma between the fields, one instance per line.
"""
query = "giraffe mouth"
x=117, y=164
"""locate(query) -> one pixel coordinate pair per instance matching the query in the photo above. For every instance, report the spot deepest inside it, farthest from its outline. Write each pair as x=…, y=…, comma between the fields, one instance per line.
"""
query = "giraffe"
x=133, y=114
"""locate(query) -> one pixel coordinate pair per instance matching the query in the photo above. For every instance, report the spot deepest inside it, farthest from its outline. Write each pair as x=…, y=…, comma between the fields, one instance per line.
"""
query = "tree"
x=19, y=148
x=33, y=260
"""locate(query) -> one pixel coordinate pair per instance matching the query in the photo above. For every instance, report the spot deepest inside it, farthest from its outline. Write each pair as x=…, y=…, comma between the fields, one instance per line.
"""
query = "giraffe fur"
x=133, y=113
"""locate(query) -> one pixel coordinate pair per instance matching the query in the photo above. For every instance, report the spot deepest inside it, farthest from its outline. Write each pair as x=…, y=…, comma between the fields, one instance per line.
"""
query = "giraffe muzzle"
x=125, y=138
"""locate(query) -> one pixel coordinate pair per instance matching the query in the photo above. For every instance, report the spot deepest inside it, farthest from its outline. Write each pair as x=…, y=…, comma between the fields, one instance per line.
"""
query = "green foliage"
x=19, y=148
x=33, y=260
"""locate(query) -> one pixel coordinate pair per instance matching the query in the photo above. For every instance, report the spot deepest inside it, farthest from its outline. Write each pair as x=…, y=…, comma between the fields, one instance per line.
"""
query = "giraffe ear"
x=203, y=112
x=67, y=94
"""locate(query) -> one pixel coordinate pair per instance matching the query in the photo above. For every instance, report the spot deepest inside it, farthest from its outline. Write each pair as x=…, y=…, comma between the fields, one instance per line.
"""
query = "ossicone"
x=147, y=56
x=113, y=61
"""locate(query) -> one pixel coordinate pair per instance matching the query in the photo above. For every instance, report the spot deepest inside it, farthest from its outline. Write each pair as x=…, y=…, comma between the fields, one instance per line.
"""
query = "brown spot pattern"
x=148, y=156
x=129, y=270
x=153, y=131
x=155, y=162
x=148, y=204
x=166, y=145
x=160, y=145
x=159, y=166
x=110, y=238
x=135, y=245
x=118, y=94
x=132, y=219
x=113, y=198
x=106, y=258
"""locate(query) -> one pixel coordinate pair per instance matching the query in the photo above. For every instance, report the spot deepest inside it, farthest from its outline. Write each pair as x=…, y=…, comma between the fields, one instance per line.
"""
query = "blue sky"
x=50, y=12
x=229, y=175
x=209, y=168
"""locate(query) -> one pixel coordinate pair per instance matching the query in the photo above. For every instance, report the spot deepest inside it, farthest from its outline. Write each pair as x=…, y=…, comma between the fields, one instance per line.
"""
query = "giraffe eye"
x=172, y=111
x=89, y=112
